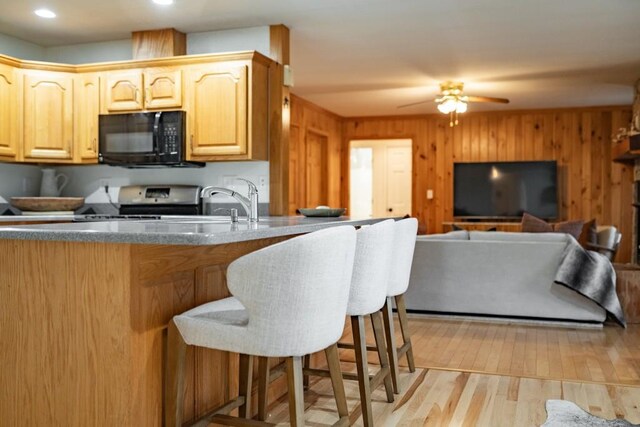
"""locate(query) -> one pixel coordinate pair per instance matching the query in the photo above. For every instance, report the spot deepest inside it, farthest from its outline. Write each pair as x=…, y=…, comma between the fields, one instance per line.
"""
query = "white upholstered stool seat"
x=289, y=300
x=367, y=295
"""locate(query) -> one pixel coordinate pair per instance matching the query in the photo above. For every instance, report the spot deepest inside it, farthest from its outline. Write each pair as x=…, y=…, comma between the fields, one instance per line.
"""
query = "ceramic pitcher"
x=52, y=184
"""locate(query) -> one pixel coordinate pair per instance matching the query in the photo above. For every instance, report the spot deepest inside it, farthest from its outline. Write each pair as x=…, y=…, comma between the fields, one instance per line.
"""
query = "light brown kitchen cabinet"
x=86, y=110
x=148, y=89
x=48, y=116
x=50, y=112
x=227, y=106
x=9, y=130
x=163, y=88
x=123, y=91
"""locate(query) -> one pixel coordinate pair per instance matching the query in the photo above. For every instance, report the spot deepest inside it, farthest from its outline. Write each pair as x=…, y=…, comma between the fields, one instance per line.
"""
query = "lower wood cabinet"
x=48, y=116
x=9, y=134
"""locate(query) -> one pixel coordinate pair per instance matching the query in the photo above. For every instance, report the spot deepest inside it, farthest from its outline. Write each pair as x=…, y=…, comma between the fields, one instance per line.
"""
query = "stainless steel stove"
x=150, y=202
x=160, y=200
x=108, y=217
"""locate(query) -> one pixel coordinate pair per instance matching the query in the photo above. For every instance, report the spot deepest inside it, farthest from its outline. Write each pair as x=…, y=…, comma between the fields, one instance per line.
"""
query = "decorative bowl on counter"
x=47, y=204
x=322, y=211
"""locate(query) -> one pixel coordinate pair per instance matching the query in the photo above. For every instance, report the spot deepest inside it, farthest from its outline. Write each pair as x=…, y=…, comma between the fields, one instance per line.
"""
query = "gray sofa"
x=495, y=273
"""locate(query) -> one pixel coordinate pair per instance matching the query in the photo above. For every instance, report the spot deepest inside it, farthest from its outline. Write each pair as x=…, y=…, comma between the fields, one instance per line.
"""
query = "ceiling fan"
x=451, y=100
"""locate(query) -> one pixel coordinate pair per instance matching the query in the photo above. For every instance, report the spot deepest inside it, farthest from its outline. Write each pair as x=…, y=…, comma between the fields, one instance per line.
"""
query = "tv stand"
x=483, y=225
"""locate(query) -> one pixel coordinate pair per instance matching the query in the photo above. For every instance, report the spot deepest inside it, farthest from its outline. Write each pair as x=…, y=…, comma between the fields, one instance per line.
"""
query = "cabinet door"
x=163, y=88
x=8, y=112
x=123, y=91
x=86, y=107
x=48, y=115
x=217, y=111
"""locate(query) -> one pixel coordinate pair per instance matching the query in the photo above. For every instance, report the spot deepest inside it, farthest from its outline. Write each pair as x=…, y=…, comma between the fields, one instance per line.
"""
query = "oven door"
x=128, y=139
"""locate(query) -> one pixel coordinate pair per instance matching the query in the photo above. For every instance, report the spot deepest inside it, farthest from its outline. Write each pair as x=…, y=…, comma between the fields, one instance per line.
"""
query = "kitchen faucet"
x=250, y=204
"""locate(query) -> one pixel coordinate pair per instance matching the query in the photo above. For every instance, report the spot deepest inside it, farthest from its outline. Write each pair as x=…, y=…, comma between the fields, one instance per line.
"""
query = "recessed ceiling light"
x=44, y=13
x=163, y=2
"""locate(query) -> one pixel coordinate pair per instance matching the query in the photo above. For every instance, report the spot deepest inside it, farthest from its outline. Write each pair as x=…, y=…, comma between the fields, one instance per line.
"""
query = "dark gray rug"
x=562, y=413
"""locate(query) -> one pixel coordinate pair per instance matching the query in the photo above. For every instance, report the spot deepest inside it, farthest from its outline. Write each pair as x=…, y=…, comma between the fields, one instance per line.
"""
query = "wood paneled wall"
x=314, y=131
x=579, y=139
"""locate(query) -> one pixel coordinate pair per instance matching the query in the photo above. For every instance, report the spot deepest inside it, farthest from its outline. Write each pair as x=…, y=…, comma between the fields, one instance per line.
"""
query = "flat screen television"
x=505, y=189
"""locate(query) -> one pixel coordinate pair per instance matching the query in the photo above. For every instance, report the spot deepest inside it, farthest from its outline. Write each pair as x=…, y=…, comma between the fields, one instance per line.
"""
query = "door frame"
x=346, y=166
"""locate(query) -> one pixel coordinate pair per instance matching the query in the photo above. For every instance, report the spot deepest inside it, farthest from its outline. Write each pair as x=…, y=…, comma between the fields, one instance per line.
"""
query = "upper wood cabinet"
x=9, y=133
x=136, y=90
x=50, y=112
x=227, y=109
x=86, y=109
x=123, y=91
x=48, y=116
x=163, y=88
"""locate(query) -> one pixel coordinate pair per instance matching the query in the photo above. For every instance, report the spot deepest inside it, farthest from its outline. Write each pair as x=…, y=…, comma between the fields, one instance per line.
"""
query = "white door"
x=380, y=178
x=398, y=181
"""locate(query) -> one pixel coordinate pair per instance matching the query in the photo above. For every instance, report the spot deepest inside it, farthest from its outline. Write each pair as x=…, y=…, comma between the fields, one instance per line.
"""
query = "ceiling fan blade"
x=472, y=98
x=415, y=103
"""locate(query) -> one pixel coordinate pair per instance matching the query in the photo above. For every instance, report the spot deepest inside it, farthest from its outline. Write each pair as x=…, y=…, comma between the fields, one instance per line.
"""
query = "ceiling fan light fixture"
x=448, y=105
x=461, y=107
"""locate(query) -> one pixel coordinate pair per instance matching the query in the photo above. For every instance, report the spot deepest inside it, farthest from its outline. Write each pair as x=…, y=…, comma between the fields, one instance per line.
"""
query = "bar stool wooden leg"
x=333, y=360
x=378, y=332
x=404, y=328
x=174, y=381
x=389, y=331
x=296, y=391
x=245, y=385
x=263, y=387
x=360, y=347
x=307, y=365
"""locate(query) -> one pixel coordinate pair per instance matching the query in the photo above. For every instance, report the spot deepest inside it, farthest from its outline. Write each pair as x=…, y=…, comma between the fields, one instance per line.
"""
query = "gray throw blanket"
x=591, y=275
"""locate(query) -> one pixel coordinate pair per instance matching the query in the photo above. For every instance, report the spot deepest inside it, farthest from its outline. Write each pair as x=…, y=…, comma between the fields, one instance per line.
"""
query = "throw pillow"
x=532, y=224
x=570, y=227
x=589, y=233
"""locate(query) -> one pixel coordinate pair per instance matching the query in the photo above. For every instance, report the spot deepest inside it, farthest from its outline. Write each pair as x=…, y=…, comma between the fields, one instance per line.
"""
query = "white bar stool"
x=290, y=300
x=367, y=297
x=403, y=247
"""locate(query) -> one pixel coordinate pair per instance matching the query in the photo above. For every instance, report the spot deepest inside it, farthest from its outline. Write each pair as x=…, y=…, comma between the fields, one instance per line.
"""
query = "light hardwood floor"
x=610, y=355
x=474, y=373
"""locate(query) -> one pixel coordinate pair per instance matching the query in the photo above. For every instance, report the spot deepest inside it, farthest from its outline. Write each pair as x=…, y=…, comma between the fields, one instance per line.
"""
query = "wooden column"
x=158, y=43
x=280, y=106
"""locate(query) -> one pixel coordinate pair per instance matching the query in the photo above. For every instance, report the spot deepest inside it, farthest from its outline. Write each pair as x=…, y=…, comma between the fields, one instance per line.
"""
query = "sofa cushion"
x=501, y=236
x=532, y=224
x=570, y=227
x=453, y=235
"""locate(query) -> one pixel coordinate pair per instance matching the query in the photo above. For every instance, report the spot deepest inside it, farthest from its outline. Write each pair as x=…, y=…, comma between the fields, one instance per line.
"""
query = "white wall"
x=17, y=48
x=18, y=180
x=86, y=180
x=117, y=50
x=254, y=38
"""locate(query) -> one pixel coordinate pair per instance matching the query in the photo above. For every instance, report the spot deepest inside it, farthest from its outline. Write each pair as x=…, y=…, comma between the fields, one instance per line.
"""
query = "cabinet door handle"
x=191, y=142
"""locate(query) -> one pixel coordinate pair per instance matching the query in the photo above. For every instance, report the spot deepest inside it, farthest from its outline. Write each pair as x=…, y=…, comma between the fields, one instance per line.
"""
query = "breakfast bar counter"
x=85, y=308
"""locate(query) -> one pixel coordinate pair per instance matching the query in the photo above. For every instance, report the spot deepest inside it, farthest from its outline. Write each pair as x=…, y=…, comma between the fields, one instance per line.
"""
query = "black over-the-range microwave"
x=148, y=139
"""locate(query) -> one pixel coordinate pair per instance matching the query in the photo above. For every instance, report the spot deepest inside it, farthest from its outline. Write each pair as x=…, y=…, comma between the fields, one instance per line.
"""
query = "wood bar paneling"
x=316, y=157
x=591, y=185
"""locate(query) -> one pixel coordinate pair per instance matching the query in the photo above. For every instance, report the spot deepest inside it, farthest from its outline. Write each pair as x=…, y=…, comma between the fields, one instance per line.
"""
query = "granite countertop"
x=173, y=230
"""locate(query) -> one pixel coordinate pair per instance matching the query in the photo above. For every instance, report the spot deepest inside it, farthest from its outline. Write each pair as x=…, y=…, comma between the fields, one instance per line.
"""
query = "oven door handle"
x=156, y=133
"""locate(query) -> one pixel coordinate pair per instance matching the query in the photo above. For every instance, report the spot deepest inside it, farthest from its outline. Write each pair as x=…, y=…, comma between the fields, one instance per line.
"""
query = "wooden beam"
x=279, y=123
x=158, y=43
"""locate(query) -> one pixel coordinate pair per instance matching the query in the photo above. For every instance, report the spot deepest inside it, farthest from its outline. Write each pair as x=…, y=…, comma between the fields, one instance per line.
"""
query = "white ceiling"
x=366, y=57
